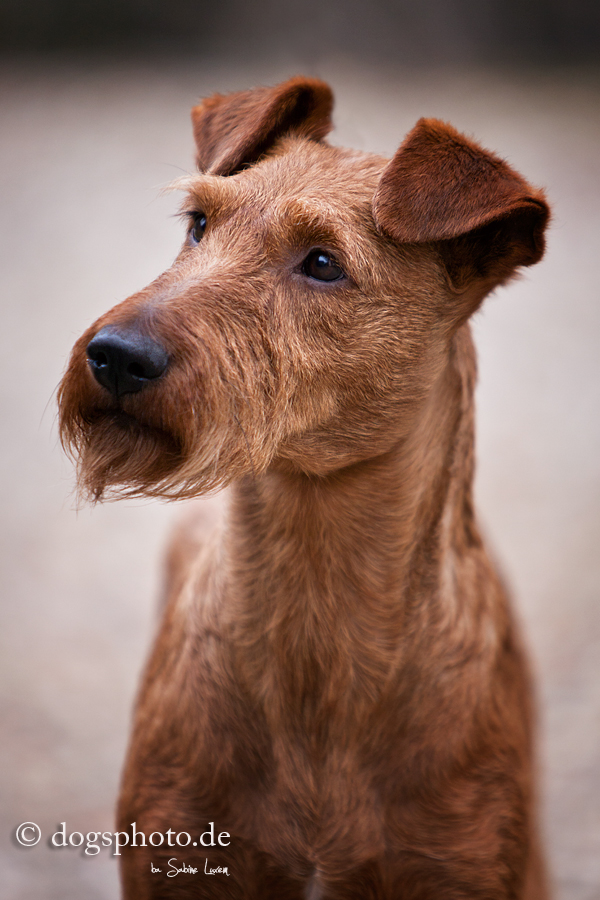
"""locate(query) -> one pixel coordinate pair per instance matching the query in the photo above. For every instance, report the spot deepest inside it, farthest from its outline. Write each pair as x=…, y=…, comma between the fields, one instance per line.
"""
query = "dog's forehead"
x=295, y=173
x=296, y=168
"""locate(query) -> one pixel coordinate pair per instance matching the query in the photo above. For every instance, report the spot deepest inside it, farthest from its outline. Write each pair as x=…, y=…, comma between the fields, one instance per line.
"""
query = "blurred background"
x=94, y=119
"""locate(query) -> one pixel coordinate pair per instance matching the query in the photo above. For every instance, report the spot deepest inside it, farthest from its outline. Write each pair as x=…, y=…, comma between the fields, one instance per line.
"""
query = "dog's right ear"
x=235, y=130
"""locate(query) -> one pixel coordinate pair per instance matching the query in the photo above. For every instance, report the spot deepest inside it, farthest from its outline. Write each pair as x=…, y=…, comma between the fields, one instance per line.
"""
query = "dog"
x=337, y=704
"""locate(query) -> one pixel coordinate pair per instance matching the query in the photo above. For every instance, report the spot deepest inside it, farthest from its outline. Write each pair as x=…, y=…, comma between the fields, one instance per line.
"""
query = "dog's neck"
x=325, y=571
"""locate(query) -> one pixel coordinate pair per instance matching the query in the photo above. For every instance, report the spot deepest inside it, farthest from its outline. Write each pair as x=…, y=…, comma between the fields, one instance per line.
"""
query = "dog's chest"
x=316, y=813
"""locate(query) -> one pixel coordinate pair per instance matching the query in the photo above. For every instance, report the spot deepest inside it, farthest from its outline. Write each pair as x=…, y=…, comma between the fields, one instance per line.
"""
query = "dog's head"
x=311, y=308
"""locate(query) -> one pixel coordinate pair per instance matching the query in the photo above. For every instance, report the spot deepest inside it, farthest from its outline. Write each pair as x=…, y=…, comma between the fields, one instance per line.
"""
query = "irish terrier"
x=337, y=704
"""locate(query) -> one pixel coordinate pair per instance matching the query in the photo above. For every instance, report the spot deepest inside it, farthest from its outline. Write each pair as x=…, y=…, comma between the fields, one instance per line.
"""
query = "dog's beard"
x=120, y=455
x=117, y=455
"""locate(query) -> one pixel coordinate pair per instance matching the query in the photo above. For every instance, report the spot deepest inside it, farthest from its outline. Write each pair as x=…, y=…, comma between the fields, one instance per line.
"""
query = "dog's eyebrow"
x=199, y=189
x=193, y=182
x=183, y=183
x=307, y=225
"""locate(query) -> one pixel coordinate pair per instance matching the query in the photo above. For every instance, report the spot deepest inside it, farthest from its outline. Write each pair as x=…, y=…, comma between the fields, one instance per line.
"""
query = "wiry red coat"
x=337, y=682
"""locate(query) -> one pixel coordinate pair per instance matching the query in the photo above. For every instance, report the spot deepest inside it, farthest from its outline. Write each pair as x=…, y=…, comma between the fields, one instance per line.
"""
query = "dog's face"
x=311, y=307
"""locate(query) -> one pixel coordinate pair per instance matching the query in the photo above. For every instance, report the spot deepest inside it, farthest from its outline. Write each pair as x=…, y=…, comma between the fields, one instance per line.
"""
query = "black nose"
x=125, y=361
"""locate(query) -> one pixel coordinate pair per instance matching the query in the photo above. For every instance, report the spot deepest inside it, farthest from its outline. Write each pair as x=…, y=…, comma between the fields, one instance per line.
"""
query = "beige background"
x=83, y=152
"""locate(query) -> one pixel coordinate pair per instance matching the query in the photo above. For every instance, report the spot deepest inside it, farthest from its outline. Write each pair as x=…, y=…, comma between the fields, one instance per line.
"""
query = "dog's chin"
x=121, y=456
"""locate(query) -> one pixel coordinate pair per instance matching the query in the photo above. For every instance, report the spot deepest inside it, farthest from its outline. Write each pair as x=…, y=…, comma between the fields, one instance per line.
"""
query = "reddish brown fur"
x=337, y=681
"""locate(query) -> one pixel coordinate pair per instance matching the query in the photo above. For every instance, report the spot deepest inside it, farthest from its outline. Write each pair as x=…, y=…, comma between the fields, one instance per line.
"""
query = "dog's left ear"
x=478, y=213
x=235, y=130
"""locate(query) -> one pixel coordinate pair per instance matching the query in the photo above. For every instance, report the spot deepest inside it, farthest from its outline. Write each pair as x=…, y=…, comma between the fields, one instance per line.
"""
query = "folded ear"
x=484, y=219
x=235, y=130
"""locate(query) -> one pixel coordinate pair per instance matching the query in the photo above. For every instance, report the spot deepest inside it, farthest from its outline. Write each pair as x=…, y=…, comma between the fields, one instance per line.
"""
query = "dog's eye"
x=322, y=266
x=198, y=226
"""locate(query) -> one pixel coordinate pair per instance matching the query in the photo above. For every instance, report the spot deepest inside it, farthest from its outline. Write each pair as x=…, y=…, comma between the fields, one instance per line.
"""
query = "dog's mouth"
x=133, y=426
x=121, y=455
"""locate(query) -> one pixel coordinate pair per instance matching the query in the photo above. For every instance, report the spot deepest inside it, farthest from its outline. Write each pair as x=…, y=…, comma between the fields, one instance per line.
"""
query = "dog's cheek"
x=221, y=402
x=362, y=413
